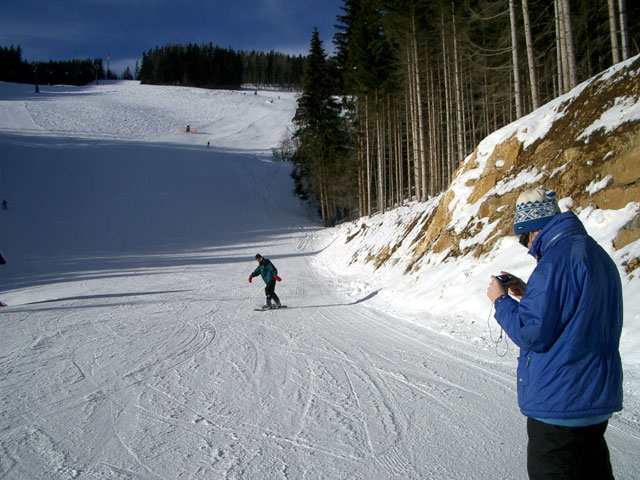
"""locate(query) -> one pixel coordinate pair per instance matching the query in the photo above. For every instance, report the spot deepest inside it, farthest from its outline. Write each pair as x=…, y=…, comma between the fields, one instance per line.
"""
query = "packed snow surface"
x=131, y=348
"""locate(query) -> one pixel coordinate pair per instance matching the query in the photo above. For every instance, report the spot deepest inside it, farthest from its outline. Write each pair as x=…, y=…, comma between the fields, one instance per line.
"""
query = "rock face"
x=576, y=156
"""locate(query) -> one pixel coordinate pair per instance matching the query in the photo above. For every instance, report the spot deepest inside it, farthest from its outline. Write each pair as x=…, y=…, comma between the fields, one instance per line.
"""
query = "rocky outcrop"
x=578, y=157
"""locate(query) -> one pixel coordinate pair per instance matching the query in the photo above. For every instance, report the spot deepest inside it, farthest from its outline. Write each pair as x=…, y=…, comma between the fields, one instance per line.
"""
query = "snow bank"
x=450, y=295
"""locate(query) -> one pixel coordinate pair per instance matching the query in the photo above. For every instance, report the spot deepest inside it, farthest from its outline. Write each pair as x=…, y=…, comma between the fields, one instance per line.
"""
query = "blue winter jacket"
x=568, y=326
x=266, y=270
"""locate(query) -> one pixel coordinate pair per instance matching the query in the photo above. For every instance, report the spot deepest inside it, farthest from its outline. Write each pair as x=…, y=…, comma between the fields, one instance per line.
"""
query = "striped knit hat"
x=534, y=209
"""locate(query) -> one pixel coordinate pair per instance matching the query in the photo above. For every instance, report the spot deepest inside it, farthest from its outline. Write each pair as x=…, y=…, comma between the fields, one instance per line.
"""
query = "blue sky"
x=68, y=29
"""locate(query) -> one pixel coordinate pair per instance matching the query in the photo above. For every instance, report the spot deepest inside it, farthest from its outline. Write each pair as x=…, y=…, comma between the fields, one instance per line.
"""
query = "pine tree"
x=126, y=74
x=321, y=135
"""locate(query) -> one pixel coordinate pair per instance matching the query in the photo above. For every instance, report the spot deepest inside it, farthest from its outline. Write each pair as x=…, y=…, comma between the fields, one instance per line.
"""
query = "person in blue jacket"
x=269, y=274
x=567, y=324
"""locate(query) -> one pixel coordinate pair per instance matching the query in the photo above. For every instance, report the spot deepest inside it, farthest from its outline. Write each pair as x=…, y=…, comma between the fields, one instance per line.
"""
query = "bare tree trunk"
x=441, y=129
x=624, y=32
x=398, y=143
x=469, y=116
x=440, y=132
x=419, y=114
x=568, y=35
x=447, y=107
x=561, y=46
x=458, y=90
x=486, y=107
x=368, y=154
x=362, y=197
x=323, y=200
x=407, y=115
x=431, y=128
x=380, y=156
x=613, y=29
x=390, y=160
x=388, y=155
x=417, y=177
x=393, y=136
x=467, y=112
x=514, y=52
x=533, y=79
x=330, y=213
x=495, y=114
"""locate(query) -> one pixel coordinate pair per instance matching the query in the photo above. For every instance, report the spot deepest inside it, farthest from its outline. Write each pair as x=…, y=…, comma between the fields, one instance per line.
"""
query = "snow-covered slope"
x=125, y=111
x=92, y=173
x=377, y=253
x=131, y=349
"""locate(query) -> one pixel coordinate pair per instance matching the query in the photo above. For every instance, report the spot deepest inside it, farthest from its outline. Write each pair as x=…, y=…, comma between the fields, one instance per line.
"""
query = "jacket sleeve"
x=256, y=272
x=538, y=319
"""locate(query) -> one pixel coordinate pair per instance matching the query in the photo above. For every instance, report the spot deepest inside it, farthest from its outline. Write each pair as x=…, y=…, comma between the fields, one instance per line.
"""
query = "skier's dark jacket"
x=266, y=270
x=567, y=326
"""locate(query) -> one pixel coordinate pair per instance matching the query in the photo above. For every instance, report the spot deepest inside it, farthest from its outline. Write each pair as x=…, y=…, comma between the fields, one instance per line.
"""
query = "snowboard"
x=269, y=309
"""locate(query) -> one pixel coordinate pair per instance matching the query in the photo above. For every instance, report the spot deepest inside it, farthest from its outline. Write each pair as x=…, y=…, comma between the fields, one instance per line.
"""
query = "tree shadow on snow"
x=360, y=300
x=17, y=308
x=106, y=295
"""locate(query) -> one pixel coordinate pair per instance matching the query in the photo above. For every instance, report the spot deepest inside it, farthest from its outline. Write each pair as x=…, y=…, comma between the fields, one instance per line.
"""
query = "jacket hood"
x=563, y=225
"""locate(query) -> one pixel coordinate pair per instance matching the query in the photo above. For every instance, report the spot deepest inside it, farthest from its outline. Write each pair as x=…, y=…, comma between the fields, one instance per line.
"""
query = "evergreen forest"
x=421, y=82
x=192, y=65
x=214, y=67
x=71, y=72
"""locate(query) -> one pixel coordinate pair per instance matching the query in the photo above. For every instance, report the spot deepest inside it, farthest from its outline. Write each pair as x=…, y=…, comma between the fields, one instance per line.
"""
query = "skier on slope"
x=2, y=262
x=269, y=274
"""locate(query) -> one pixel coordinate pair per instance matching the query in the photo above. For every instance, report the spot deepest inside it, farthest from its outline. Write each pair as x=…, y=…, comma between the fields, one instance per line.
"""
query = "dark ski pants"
x=269, y=291
x=563, y=453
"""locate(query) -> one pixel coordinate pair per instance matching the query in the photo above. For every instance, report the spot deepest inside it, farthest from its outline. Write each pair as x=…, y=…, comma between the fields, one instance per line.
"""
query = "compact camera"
x=506, y=279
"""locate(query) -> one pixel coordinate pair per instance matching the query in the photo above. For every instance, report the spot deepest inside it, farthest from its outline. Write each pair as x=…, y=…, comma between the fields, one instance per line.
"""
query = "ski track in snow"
x=133, y=351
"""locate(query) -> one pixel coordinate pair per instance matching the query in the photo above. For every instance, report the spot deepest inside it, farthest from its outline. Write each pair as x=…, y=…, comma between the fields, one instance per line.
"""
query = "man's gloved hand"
x=516, y=287
x=250, y=278
x=278, y=279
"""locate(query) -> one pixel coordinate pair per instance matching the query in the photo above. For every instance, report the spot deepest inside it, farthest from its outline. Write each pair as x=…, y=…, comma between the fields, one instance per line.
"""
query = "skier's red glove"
x=278, y=279
x=250, y=278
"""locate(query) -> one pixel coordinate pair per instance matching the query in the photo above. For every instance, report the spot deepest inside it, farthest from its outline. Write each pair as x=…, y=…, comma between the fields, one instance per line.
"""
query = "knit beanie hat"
x=534, y=209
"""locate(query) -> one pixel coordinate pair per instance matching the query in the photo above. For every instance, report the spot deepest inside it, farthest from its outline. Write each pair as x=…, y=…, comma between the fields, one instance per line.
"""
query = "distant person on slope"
x=2, y=262
x=567, y=324
x=269, y=274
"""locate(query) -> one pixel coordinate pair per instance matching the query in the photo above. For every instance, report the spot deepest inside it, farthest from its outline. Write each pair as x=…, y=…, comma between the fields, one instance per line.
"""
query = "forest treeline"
x=70, y=72
x=423, y=81
x=210, y=66
x=193, y=65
